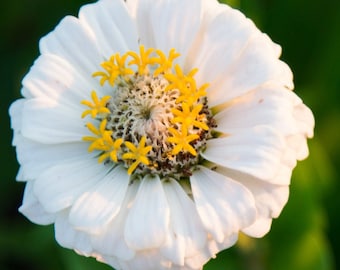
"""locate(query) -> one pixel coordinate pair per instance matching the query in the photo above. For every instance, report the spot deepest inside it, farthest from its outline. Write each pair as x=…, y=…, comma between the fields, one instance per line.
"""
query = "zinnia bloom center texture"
x=156, y=120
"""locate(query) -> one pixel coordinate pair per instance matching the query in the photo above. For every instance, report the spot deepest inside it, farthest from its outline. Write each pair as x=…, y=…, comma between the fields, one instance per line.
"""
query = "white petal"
x=35, y=157
x=68, y=237
x=158, y=28
x=185, y=267
x=96, y=207
x=147, y=259
x=147, y=223
x=227, y=53
x=224, y=34
x=256, y=66
x=305, y=123
x=54, y=78
x=216, y=247
x=109, y=260
x=269, y=106
x=139, y=10
x=305, y=119
x=32, y=209
x=59, y=186
x=110, y=241
x=256, y=151
x=188, y=233
x=260, y=228
x=277, y=108
x=196, y=262
x=176, y=33
x=74, y=43
x=288, y=163
x=211, y=9
x=210, y=250
x=112, y=25
x=15, y=112
x=224, y=205
x=174, y=249
x=228, y=242
x=269, y=198
x=298, y=142
x=46, y=121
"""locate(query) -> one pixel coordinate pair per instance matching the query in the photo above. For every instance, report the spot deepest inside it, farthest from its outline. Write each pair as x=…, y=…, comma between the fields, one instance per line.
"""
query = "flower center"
x=155, y=121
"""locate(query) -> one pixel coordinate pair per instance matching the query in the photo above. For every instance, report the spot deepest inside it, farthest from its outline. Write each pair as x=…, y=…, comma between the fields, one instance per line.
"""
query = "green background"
x=305, y=237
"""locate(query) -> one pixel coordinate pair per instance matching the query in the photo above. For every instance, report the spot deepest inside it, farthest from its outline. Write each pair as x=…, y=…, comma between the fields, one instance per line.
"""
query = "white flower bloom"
x=152, y=132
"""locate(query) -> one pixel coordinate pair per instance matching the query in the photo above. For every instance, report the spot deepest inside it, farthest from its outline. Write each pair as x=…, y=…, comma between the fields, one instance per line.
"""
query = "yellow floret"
x=97, y=106
x=179, y=80
x=165, y=64
x=192, y=95
x=138, y=154
x=182, y=140
x=142, y=60
x=114, y=67
x=103, y=142
x=189, y=117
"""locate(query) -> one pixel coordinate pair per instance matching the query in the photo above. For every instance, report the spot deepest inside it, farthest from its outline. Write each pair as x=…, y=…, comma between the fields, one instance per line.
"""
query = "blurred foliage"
x=305, y=237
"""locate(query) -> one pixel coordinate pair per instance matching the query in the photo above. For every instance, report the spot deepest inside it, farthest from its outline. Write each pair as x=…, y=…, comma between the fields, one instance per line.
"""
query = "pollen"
x=155, y=120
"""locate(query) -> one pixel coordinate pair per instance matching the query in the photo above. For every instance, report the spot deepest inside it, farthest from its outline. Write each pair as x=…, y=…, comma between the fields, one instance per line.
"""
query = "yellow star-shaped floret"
x=179, y=80
x=165, y=64
x=97, y=142
x=97, y=106
x=182, y=141
x=191, y=95
x=138, y=154
x=111, y=148
x=103, y=142
x=142, y=60
x=189, y=117
x=114, y=67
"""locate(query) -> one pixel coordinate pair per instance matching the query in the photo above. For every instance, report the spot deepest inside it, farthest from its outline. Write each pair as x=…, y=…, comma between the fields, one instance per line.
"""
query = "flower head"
x=151, y=134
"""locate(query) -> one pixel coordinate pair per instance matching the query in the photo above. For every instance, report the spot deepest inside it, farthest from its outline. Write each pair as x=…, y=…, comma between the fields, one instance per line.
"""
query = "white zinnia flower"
x=152, y=132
